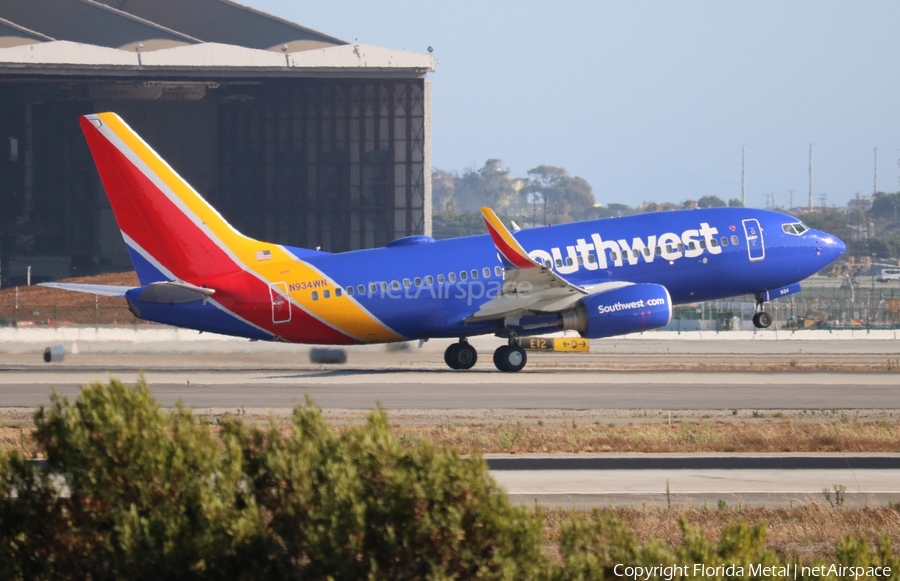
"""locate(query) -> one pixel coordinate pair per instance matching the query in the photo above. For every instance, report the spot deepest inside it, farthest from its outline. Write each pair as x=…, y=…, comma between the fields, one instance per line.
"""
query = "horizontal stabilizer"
x=156, y=292
x=174, y=292
x=104, y=290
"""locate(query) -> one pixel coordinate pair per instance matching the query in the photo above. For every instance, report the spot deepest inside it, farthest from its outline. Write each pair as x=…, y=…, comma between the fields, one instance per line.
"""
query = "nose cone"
x=829, y=248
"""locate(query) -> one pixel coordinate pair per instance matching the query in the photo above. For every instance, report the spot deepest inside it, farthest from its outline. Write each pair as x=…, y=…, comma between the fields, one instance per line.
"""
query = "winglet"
x=506, y=244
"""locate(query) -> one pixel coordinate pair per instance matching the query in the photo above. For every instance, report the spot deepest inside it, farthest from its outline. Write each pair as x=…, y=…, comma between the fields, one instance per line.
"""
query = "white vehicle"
x=887, y=274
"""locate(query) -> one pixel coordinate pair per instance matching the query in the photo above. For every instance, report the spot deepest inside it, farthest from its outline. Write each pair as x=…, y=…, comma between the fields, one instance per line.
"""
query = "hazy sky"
x=652, y=101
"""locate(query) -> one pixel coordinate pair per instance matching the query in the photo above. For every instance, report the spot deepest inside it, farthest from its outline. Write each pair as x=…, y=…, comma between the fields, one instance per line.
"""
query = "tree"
x=564, y=198
x=443, y=191
x=735, y=203
x=612, y=210
x=886, y=207
x=711, y=202
x=489, y=186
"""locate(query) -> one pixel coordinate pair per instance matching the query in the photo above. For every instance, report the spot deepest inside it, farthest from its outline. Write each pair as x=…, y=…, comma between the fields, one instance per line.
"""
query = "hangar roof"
x=90, y=22
x=11, y=34
x=179, y=38
x=226, y=22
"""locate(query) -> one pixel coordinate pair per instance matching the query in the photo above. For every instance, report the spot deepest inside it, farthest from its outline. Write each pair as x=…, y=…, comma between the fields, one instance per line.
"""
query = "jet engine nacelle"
x=630, y=309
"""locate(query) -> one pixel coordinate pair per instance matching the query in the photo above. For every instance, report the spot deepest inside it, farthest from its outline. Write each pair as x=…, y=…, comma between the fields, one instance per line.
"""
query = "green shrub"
x=153, y=494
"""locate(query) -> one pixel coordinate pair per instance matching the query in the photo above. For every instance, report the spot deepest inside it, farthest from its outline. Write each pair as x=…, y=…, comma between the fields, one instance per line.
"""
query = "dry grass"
x=48, y=306
x=837, y=435
x=702, y=436
x=809, y=532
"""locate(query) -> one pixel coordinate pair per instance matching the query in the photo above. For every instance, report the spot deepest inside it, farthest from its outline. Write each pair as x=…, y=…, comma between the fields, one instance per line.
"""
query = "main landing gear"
x=508, y=358
x=460, y=355
x=761, y=319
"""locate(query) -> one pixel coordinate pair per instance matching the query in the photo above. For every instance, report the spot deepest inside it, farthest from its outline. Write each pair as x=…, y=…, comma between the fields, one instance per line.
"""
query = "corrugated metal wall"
x=336, y=164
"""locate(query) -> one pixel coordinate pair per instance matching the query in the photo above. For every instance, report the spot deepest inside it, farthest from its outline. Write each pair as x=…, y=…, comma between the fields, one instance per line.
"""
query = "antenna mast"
x=744, y=176
x=810, y=178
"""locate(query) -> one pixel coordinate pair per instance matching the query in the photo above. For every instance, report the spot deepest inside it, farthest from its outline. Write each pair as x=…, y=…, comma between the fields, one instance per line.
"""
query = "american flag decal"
x=263, y=255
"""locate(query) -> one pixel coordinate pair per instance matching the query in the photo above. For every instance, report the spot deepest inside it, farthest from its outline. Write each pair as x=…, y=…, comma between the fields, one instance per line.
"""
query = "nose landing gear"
x=762, y=319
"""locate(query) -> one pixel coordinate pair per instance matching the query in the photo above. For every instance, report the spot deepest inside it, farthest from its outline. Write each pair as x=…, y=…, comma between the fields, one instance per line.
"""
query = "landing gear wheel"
x=510, y=358
x=460, y=356
x=762, y=320
x=450, y=356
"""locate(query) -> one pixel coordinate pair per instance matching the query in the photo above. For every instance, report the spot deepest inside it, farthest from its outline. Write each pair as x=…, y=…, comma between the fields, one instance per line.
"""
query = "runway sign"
x=565, y=344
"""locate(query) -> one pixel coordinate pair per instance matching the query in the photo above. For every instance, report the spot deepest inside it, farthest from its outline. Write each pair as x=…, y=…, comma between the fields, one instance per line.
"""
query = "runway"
x=443, y=389
x=851, y=480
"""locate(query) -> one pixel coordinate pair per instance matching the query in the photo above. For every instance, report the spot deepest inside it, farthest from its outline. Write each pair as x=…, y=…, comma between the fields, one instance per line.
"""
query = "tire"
x=450, y=356
x=499, y=357
x=762, y=320
x=510, y=358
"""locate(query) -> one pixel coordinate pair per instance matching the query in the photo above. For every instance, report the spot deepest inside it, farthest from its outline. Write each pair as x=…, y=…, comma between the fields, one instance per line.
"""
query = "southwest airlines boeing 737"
x=600, y=278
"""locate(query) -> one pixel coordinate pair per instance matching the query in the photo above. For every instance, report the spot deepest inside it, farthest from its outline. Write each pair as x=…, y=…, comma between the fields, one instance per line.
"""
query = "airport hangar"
x=296, y=137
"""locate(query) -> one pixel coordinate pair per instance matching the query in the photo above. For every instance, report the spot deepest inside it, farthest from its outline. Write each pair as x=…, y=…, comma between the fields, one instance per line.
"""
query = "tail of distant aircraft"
x=171, y=232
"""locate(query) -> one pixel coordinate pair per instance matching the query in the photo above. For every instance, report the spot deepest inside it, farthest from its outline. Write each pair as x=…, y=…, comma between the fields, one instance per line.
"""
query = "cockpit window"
x=794, y=229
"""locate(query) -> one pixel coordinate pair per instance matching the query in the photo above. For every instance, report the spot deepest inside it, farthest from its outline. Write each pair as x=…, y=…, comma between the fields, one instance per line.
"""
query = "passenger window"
x=646, y=252
x=558, y=262
x=724, y=240
x=462, y=275
x=692, y=246
x=395, y=285
x=703, y=244
x=361, y=289
x=326, y=294
x=418, y=281
x=497, y=271
x=429, y=280
x=568, y=261
x=315, y=295
x=591, y=259
x=734, y=240
x=373, y=288
x=440, y=279
x=580, y=259
x=406, y=283
x=680, y=247
x=669, y=249
x=474, y=274
x=349, y=291
x=658, y=251
x=339, y=291
x=548, y=264
x=486, y=272
x=713, y=243
x=451, y=277
x=614, y=256
x=384, y=287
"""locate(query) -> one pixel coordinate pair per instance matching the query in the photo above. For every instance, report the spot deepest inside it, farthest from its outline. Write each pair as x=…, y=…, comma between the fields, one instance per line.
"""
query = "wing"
x=155, y=292
x=528, y=285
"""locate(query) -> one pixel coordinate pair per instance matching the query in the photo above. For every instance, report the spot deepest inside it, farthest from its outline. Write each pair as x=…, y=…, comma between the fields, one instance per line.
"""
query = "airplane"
x=601, y=278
